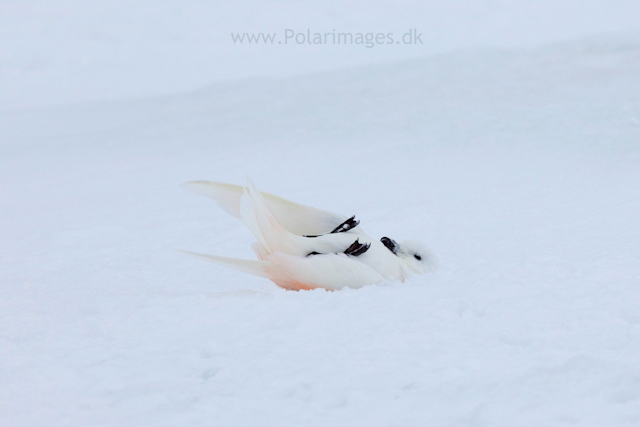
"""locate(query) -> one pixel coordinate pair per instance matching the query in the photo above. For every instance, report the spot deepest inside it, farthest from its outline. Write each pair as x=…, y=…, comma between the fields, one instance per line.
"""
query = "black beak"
x=391, y=244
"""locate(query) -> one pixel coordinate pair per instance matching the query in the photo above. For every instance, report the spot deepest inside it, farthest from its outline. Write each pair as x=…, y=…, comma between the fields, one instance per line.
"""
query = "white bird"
x=300, y=247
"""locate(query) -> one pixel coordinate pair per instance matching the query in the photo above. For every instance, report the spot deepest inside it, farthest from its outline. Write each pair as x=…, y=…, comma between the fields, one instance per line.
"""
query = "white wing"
x=257, y=268
x=273, y=237
x=294, y=217
x=330, y=271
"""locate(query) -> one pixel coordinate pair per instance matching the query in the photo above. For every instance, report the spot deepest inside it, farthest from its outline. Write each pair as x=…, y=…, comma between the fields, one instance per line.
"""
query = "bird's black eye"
x=418, y=257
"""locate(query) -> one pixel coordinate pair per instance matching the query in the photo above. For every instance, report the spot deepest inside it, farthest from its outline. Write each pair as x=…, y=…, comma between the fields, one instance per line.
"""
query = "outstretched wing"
x=331, y=271
x=272, y=236
x=294, y=217
x=257, y=268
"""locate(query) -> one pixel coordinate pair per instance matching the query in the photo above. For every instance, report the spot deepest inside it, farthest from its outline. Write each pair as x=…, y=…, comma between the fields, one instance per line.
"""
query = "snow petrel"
x=300, y=247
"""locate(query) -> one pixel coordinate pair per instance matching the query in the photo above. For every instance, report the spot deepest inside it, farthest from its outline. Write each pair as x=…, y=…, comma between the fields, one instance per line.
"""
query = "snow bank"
x=518, y=168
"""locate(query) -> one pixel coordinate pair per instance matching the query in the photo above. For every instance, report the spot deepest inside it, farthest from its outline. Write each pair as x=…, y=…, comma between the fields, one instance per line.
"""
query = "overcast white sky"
x=69, y=51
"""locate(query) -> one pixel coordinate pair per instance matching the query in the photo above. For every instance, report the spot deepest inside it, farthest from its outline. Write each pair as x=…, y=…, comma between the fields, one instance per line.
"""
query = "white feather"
x=296, y=218
x=257, y=268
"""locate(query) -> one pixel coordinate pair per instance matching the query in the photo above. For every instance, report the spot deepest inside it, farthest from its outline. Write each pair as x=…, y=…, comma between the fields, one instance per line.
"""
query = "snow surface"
x=519, y=168
x=64, y=51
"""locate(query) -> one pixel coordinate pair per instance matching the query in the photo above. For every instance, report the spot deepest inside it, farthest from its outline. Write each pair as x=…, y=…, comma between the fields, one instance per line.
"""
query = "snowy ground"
x=70, y=51
x=519, y=168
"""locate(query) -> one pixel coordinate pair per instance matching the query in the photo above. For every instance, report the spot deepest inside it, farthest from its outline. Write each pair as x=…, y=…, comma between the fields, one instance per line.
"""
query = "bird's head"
x=417, y=257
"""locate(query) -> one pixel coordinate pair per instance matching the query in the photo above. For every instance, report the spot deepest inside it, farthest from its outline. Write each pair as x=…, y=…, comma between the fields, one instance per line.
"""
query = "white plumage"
x=298, y=247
